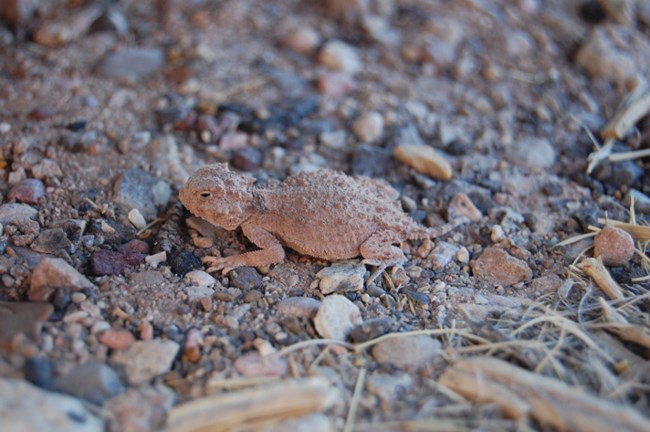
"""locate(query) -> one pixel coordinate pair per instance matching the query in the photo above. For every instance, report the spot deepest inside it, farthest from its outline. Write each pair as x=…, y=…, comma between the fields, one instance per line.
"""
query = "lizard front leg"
x=378, y=250
x=271, y=252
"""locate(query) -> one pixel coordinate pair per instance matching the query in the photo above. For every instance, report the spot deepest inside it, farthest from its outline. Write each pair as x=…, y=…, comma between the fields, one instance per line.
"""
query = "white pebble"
x=497, y=234
x=338, y=55
x=336, y=317
x=369, y=127
x=154, y=260
x=136, y=218
x=200, y=278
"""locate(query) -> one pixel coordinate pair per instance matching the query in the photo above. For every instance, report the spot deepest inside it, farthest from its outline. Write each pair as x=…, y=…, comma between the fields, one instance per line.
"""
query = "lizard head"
x=218, y=195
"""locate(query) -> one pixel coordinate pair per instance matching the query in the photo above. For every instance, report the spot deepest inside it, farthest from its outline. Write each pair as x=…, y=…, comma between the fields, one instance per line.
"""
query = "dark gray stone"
x=93, y=382
x=139, y=189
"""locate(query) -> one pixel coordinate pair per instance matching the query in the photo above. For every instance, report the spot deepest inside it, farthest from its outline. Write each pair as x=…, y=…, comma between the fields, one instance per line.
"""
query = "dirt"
x=510, y=94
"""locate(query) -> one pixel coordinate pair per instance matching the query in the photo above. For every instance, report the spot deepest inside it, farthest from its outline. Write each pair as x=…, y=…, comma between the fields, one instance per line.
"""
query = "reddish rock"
x=253, y=364
x=614, y=246
x=498, y=267
x=28, y=191
x=116, y=339
x=335, y=84
x=135, y=246
x=21, y=318
x=105, y=262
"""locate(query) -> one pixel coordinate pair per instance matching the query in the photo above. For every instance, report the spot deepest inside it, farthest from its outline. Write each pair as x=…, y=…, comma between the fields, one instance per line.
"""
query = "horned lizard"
x=324, y=214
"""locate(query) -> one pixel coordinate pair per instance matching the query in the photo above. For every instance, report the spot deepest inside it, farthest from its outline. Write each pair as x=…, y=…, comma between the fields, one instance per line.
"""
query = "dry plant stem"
x=623, y=156
x=272, y=403
x=639, y=232
x=552, y=403
x=635, y=106
x=596, y=270
x=618, y=325
x=354, y=403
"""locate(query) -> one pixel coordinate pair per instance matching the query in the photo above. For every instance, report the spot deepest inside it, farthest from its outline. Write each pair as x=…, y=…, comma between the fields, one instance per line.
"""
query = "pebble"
x=52, y=241
x=148, y=278
x=140, y=410
x=47, y=168
x=303, y=40
x=91, y=381
x=38, y=371
x=116, y=339
x=182, y=262
x=136, y=218
x=336, y=140
x=497, y=234
x=340, y=56
x=298, y=307
x=336, y=317
x=112, y=20
x=28, y=191
x=51, y=274
x=26, y=408
x=192, y=345
x=138, y=189
x=369, y=127
x=388, y=387
x=145, y=360
x=370, y=160
x=372, y=329
x=132, y=63
x=407, y=352
x=614, y=245
x=245, y=278
x=533, y=153
x=135, y=246
x=641, y=201
x=620, y=11
x=71, y=26
x=233, y=141
x=16, y=214
x=253, y=364
x=548, y=284
x=198, y=292
x=247, y=159
x=442, y=254
x=461, y=205
x=156, y=259
x=106, y=262
x=200, y=278
x=335, y=84
x=4, y=127
x=341, y=277
x=424, y=159
x=21, y=318
x=498, y=267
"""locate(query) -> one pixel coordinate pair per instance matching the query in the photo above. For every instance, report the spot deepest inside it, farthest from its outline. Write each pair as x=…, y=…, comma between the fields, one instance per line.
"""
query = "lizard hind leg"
x=380, y=251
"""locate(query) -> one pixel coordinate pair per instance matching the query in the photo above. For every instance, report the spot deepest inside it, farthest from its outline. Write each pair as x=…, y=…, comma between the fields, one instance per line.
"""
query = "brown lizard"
x=324, y=214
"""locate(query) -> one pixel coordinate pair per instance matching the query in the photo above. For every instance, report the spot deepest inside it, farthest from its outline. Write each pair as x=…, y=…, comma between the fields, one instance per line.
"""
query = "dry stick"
x=639, y=232
x=354, y=403
x=631, y=110
x=618, y=325
x=551, y=402
x=596, y=270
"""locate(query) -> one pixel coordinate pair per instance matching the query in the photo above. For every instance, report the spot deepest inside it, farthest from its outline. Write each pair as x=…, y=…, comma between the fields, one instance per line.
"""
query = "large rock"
x=145, y=360
x=53, y=273
x=497, y=266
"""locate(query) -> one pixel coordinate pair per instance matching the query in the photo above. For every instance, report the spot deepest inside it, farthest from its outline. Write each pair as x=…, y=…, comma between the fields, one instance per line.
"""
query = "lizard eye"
x=206, y=194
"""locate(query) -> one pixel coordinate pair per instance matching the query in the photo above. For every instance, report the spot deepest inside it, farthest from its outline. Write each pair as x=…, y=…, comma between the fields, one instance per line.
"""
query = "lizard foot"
x=221, y=264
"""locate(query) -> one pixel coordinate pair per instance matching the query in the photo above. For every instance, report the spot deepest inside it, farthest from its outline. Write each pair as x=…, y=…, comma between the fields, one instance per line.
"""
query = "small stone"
x=341, y=277
x=303, y=40
x=93, y=382
x=140, y=410
x=112, y=20
x=388, y=387
x=425, y=160
x=156, y=259
x=372, y=329
x=24, y=407
x=52, y=273
x=4, y=127
x=253, y=364
x=336, y=316
x=28, y=191
x=136, y=218
x=70, y=27
x=16, y=214
x=339, y=56
x=148, y=278
x=370, y=160
x=46, y=169
x=369, y=127
x=298, y=307
x=407, y=352
x=234, y=141
x=498, y=267
x=497, y=234
x=106, y=262
x=641, y=201
x=247, y=159
x=335, y=84
x=24, y=318
x=52, y=241
x=192, y=345
x=138, y=189
x=533, y=153
x=132, y=63
x=614, y=245
x=336, y=140
x=198, y=292
x=145, y=360
x=245, y=278
x=200, y=278
x=442, y=255
x=548, y=284
x=135, y=246
x=620, y=11
x=461, y=205
x=38, y=371
x=116, y=339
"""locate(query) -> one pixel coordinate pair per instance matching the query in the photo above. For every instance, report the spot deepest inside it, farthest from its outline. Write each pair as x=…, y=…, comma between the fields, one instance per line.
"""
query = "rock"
x=425, y=160
x=336, y=140
x=245, y=278
x=408, y=352
x=547, y=284
x=200, y=278
x=340, y=56
x=247, y=159
x=461, y=205
x=16, y=214
x=145, y=360
x=112, y=20
x=73, y=228
x=372, y=328
x=24, y=407
x=52, y=241
x=370, y=160
x=182, y=262
x=192, y=345
x=369, y=127
x=47, y=168
x=620, y=11
x=533, y=153
x=341, y=277
x=138, y=189
x=71, y=26
x=28, y=191
x=91, y=381
x=17, y=11
x=298, y=307
x=302, y=40
x=196, y=293
x=641, y=201
x=142, y=409
x=24, y=318
x=388, y=387
x=106, y=262
x=234, y=141
x=442, y=254
x=336, y=316
x=497, y=234
x=136, y=218
x=116, y=339
x=52, y=273
x=132, y=63
x=335, y=84
x=497, y=267
x=614, y=246
x=148, y=278
x=253, y=364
